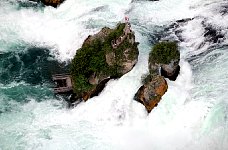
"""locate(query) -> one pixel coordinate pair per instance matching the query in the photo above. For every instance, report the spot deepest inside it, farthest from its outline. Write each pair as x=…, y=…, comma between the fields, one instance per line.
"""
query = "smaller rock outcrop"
x=151, y=92
x=163, y=63
x=164, y=60
x=53, y=3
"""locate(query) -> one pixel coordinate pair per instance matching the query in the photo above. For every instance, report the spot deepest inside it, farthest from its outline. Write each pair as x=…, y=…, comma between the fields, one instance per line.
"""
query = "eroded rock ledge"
x=163, y=63
x=108, y=54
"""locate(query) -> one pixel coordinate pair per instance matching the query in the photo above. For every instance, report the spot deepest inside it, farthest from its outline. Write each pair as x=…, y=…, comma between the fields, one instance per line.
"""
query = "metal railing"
x=62, y=89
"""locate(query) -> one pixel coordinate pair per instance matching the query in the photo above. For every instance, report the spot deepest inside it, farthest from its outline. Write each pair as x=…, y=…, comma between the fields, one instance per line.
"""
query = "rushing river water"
x=36, y=41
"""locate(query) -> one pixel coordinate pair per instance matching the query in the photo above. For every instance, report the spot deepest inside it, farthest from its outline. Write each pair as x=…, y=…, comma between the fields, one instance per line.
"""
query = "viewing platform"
x=127, y=30
x=63, y=83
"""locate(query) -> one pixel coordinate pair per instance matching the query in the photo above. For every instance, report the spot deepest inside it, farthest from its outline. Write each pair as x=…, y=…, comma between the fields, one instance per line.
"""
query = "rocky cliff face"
x=108, y=54
x=163, y=63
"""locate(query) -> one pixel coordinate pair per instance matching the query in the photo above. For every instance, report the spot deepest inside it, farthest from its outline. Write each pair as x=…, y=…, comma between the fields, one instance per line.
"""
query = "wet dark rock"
x=175, y=28
x=171, y=70
x=100, y=8
x=184, y=20
x=29, y=4
x=212, y=34
x=178, y=23
x=224, y=9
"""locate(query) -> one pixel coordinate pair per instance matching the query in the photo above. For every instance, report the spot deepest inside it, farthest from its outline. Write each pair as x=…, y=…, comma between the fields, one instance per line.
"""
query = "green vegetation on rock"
x=164, y=52
x=91, y=58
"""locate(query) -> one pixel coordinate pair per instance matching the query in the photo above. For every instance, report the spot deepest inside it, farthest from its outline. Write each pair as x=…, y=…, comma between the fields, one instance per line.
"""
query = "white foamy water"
x=191, y=115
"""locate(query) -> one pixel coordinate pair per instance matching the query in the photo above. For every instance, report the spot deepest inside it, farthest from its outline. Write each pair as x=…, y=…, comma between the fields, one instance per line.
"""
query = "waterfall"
x=37, y=40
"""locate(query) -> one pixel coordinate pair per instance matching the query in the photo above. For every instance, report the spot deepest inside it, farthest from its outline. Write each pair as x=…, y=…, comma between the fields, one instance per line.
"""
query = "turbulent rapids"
x=37, y=40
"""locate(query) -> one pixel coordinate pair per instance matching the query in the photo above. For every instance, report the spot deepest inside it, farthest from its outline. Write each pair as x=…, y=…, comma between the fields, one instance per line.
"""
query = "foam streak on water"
x=192, y=114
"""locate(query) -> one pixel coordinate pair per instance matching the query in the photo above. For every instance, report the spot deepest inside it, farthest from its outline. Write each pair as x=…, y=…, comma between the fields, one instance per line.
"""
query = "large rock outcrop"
x=163, y=63
x=108, y=54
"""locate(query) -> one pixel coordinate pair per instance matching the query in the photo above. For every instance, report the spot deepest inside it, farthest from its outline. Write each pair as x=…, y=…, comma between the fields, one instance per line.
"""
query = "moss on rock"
x=164, y=53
